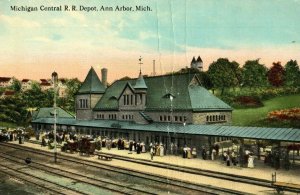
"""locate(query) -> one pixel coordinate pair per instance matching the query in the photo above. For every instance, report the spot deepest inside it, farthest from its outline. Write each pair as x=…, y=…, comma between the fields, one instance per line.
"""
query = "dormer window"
x=169, y=96
x=113, y=98
x=83, y=103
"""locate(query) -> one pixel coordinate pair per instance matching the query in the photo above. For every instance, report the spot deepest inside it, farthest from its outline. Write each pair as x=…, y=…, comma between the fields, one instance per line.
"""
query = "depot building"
x=158, y=109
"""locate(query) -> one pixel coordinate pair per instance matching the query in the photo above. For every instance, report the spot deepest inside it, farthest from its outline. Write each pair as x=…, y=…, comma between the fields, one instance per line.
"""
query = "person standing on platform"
x=251, y=161
x=157, y=150
x=194, y=153
x=224, y=156
x=184, y=154
x=172, y=148
x=133, y=146
x=122, y=144
x=151, y=152
x=233, y=158
x=138, y=148
x=203, y=153
x=213, y=154
x=143, y=147
x=161, y=150
x=109, y=144
x=228, y=160
x=11, y=137
x=20, y=139
x=119, y=144
x=130, y=146
x=188, y=153
x=43, y=142
x=217, y=149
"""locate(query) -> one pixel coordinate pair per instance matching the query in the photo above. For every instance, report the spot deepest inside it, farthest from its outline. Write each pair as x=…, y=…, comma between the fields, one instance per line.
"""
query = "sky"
x=34, y=44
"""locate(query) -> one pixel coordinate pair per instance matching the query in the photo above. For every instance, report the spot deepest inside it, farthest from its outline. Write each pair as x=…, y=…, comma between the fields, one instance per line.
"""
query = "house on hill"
x=26, y=84
x=197, y=64
x=7, y=93
x=45, y=85
x=6, y=81
x=62, y=92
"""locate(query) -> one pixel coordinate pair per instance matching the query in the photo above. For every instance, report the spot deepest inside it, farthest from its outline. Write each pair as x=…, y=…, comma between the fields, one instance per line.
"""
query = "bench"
x=281, y=186
x=104, y=156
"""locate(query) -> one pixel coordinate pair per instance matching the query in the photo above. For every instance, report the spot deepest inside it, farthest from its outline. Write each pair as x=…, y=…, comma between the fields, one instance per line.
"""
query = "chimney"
x=104, y=76
x=153, y=73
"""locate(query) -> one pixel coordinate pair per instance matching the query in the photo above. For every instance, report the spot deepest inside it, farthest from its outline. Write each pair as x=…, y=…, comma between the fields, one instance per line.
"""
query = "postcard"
x=149, y=97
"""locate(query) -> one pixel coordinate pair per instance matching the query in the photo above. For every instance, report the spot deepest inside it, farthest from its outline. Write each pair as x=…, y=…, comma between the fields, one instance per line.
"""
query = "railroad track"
x=115, y=187
x=16, y=171
x=197, y=171
x=196, y=188
x=208, y=173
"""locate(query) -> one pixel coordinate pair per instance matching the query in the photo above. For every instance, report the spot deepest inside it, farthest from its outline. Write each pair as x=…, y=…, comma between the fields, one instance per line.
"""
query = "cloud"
x=42, y=39
x=56, y=37
x=19, y=22
x=147, y=35
x=78, y=16
x=59, y=22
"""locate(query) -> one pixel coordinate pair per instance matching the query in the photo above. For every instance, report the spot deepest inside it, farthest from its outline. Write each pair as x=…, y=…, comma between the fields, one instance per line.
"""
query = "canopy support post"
x=241, y=153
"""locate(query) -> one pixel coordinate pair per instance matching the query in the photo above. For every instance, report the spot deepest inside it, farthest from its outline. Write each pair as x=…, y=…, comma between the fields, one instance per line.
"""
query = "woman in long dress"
x=251, y=161
x=161, y=150
x=213, y=154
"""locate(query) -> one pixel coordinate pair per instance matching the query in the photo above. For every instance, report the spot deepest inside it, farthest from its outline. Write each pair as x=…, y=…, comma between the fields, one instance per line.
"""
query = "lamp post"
x=54, y=80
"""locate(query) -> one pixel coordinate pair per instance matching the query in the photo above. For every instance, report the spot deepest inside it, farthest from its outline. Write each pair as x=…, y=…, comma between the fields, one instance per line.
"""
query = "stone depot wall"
x=201, y=117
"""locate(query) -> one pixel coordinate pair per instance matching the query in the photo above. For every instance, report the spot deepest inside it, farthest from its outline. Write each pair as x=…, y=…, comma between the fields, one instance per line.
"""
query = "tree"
x=12, y=109
x=276, y=74
x=68, y=102
x=203, y=76
x=124, y=78
x=292, y=74
x=34, y=97
x=237, y=72
x=254, y=74
x=16, y=85
x=205, y=80
x=224, y=73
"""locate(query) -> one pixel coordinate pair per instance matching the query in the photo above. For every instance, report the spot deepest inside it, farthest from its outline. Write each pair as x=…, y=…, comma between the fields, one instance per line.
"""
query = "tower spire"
x=140, y=63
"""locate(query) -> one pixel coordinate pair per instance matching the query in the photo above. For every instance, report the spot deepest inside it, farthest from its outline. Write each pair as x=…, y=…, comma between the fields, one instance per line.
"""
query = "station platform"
x=259, y=171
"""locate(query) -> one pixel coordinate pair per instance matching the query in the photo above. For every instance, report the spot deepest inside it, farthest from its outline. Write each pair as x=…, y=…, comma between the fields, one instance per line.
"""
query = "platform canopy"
x=261, y=133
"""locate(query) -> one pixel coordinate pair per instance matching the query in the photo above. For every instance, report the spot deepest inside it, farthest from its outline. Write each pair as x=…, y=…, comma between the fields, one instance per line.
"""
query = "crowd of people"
x=6, y=136
x=229, y=157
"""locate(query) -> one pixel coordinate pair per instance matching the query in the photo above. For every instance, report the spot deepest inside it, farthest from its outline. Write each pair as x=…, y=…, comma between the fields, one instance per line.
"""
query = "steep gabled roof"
x=185, y=96
x=140, y=83
x=109, y=100
x=4, y=79
x=9, y=92
x=49, y=113
x=91, y=84
x=45, y=84
x=201, y=99
x=193, y=60
x=199, y=59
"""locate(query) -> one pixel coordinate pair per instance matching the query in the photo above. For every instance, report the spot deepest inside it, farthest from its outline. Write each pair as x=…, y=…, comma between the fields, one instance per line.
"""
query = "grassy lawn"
x=5, y=124
x=255, y=116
